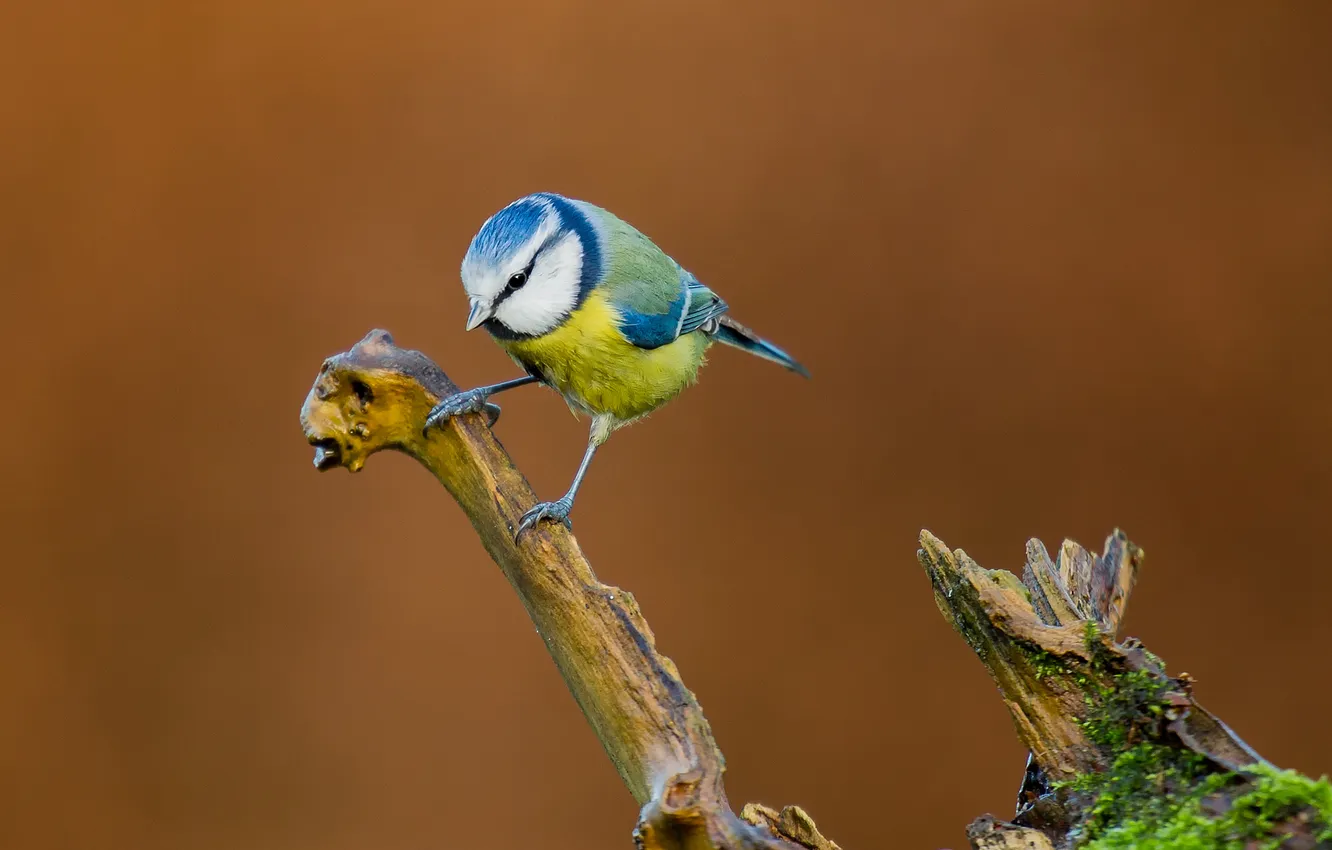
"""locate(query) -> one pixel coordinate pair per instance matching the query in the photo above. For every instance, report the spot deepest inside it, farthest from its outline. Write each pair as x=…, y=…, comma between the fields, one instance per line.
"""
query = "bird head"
x=530, y=266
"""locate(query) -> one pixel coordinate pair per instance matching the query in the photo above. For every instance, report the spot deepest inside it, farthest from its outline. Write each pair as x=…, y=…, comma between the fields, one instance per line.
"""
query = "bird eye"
x=517, y=280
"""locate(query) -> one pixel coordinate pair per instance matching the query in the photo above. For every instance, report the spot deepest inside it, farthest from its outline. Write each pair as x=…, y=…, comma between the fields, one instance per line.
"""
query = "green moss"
x=1124, y=707
x=1045, y=664
x=1144, y=784
x=1156, y=795
x=1179, y=822
x=1091, y=634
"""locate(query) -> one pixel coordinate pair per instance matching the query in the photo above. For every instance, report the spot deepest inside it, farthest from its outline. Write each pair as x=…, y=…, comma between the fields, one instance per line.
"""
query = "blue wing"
x=692, y=308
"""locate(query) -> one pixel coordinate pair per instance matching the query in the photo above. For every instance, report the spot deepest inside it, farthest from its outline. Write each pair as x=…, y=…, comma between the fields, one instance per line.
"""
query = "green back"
x=637, y=274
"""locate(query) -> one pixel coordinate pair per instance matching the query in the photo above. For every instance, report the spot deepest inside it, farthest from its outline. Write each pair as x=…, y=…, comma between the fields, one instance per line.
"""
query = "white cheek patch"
x=485, y=282
x=551, y=291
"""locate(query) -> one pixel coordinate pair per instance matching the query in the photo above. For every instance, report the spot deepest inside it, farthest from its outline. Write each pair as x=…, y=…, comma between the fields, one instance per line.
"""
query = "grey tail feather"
x=732, y=333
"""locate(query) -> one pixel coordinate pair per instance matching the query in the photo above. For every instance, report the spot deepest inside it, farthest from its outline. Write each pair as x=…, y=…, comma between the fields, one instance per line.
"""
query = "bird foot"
x=557, y=511
x=470, y=401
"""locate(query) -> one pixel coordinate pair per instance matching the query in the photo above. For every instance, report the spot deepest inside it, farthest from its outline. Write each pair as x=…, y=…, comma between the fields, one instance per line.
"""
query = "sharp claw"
x=522, y=526
x=544, y=510
x=528, y=522
x=457, y=405
x=432, y=421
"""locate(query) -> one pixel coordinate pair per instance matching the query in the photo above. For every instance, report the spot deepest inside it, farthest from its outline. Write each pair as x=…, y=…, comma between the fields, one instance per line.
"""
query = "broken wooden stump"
x=1121, y=754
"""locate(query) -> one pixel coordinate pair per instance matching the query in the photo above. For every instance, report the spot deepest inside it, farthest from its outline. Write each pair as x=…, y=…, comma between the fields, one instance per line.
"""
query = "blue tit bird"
x=592, y=308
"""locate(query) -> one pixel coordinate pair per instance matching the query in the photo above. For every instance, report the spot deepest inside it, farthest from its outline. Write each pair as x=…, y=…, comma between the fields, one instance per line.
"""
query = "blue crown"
x=507, y=230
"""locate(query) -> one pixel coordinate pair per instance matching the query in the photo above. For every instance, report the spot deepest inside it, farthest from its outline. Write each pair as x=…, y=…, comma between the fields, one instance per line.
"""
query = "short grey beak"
x=480, y=312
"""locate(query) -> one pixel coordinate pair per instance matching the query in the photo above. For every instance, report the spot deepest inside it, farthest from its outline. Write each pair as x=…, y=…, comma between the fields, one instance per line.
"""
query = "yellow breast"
x=600, y=372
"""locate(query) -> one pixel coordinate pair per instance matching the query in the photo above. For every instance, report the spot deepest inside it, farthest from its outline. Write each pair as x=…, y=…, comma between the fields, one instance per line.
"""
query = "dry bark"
x=375, y=397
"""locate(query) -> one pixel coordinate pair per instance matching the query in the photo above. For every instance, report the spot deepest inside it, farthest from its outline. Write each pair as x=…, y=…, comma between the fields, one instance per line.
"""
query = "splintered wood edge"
x=1114, y=574
x=982, y=606
x=992, y=612
x=1049, y=598
x=1001, y=602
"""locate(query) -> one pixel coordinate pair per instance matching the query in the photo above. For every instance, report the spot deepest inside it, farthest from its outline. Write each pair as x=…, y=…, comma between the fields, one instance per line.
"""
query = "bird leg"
x=559, y=509
x=472, y=401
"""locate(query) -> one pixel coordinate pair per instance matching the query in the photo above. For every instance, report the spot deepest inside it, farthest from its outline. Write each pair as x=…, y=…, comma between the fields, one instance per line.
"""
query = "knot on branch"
x=370, y=398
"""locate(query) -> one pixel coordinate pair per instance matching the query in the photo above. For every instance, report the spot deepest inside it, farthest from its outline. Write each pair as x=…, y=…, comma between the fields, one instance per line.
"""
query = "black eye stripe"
x=510, y=288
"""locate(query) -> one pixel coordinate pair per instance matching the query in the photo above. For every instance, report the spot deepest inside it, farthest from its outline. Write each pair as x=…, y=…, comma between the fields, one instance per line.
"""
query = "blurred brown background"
x=1056, y=268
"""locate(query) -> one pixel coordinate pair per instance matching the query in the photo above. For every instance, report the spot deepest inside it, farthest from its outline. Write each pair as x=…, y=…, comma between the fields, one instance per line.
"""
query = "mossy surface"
x=1156, y=795
x=1207, y=818
x=1045, y=664
x=1145, y=784
x=1124, y=707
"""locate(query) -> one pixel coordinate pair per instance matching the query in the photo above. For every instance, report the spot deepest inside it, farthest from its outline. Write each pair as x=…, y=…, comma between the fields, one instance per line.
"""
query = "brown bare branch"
x=375, y=397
